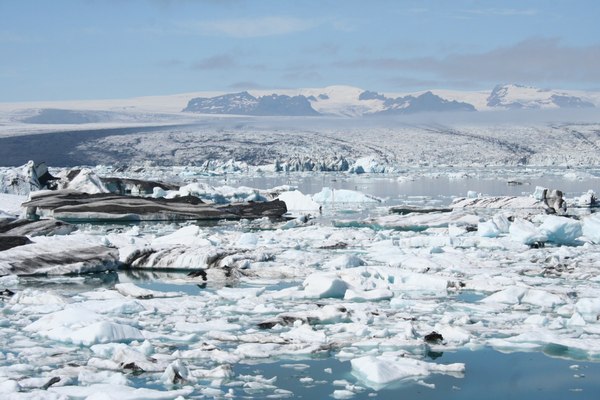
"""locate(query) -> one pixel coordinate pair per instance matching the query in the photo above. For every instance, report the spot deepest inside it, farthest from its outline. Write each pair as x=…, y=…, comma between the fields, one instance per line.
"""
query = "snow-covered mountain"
x=352, y=101
x=525, y=97
x=347, y=101
x=357, y=103
x=245, y=104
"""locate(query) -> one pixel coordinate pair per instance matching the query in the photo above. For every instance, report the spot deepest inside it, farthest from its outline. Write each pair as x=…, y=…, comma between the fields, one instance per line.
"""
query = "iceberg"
x=378, y=371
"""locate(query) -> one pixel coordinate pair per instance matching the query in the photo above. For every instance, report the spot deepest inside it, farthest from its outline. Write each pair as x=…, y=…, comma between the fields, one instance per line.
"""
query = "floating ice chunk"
x=87, y=181
x=240, y=293
x=525, y=232
x=454, y=335
x=542, y=298
x=72, y=254
x=219, y=372
x=368, y=295
x=32, y=296
x=342, y=394
x=70, y=317
x=331, y=196
x=120, y=355
x=345, y=261
x=400, y=280
x=576, y=320
x=305, y=334
x=131, y=290
x=502, y=222
x=297, y=367
x=248, y=240
x=497, y=202
x=188, y=235
x=488, y=229
x=377, y=372
x=176, y=372
x=561, y=230
x=87, y=377
x=511, y=295
x=220, y=325
x=591, y=228
x=99, y=332
x=472, y=194
x=103, y=391
x=589, y=308
x=158, y=192
x=297, y=201
x=539, y=193
x=455, y=230
x=586, y=200
x=115, y=306
x=9, y=386
x=537, y=320
x=10, y=205
x=322, y=285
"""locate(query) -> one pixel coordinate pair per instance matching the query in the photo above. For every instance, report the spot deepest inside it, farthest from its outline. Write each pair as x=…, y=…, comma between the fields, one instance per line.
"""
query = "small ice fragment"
x=324, y=285
x=175, y=373
x=298, y=367
x=342, y=394
x=488, y=229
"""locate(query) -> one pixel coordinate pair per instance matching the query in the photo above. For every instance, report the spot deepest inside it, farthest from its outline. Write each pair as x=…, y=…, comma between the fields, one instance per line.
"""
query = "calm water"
x=427, y=185
x=489, y=374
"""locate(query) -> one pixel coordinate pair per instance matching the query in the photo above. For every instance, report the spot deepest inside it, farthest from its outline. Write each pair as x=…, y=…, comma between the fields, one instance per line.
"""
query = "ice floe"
x=174, y=310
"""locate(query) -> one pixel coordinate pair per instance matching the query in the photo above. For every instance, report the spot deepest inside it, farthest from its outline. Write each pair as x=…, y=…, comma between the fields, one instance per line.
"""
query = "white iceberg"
x=378, y=371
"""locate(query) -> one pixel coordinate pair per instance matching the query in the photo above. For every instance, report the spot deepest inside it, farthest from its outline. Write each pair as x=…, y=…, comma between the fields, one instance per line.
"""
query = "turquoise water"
x=489, y=374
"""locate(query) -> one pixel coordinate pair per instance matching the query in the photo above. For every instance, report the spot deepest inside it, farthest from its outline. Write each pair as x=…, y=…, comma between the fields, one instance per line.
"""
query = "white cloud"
x=535, y=60
x=253, y=27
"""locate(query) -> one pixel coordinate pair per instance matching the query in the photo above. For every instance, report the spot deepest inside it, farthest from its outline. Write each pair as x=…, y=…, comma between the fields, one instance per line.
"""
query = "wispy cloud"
x=302, y=76
x=536, y=60
x=15, y=38
x=252, y=27
x=502, y=12
x=246, y=85
x=221, y=61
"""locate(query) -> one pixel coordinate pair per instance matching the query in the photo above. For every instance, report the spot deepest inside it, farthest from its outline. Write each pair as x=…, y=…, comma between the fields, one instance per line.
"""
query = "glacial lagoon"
x=521, y=321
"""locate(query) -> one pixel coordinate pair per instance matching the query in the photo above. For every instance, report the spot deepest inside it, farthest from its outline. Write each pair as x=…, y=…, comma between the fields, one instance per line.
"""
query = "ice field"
x=343, y=299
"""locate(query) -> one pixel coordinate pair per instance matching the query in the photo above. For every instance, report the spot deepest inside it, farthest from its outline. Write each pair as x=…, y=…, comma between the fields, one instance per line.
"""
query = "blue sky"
x=86, y=49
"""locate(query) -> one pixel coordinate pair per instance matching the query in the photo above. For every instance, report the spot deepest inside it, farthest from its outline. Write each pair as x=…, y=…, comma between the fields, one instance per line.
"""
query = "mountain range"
x=351, y=101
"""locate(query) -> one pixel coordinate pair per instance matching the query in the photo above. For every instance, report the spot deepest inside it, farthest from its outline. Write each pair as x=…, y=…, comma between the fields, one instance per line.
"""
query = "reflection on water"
x=429, y=186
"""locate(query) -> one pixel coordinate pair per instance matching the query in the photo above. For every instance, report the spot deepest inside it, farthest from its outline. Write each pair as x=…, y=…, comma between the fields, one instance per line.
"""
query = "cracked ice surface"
x=365, y=292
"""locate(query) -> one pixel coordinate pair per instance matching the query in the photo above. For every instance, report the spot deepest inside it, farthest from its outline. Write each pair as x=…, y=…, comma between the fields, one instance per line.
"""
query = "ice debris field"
x=370, y=286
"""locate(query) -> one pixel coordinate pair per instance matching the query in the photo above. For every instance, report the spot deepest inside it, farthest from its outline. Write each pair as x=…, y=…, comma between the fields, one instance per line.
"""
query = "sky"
x=100, y=49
